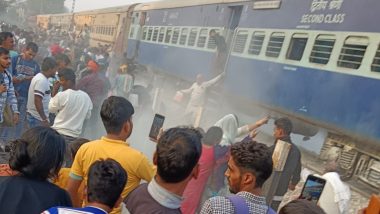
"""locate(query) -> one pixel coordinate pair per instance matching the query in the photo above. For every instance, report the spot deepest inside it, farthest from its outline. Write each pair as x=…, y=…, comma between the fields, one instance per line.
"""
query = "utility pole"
x=73, y=6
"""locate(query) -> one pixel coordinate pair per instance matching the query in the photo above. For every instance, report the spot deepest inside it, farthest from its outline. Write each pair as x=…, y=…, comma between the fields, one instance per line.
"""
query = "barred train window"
x=256, y=43
x=144, y=33
x=175, y=36
x=322, y=49
x=168, y=35
x=352, y=53
x=275, y=43
x=202, y=38
x=155, y=34
x=375, y=67
x=297, y=46
x=161, y=35
x=192, y=37
x=150, y=33
x=240, y=40
x=183, y=38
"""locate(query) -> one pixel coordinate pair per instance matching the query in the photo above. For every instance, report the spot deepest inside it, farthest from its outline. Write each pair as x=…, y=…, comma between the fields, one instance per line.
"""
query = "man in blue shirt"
x=24, y=68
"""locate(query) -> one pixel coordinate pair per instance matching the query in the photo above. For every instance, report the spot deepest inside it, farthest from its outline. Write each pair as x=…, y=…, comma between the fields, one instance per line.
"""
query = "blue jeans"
x=20, y=127
x=33, y=122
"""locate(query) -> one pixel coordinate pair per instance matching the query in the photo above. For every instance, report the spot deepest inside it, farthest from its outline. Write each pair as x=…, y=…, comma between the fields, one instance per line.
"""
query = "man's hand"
x=3, y=88
x=262, y=121
x=16, y=80
x=292, y=187
x=46, y=123
x=16, y=118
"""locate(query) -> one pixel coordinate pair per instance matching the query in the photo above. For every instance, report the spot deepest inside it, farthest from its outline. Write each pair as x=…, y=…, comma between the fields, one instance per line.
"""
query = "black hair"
x=213, y=136
x=75, y=145
x=39, y=153
x=115, y=112
x=62, y=57
x=106, y=181
x=254, y=157
x=285, y=124
x=4, y=36
x=301, y=206
x=48, y=63
x=68, y=74
x=32, y=46
x=178, y=152
x=4, y=51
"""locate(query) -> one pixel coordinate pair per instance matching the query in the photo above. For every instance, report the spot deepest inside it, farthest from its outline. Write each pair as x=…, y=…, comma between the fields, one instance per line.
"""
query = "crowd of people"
x=52, y=101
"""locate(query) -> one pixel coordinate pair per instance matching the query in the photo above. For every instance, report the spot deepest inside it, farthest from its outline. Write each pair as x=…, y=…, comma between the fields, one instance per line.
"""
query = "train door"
x=233, y=23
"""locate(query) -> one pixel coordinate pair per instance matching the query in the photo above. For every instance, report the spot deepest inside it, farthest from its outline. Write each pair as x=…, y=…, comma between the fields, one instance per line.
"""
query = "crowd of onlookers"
x=55, y=91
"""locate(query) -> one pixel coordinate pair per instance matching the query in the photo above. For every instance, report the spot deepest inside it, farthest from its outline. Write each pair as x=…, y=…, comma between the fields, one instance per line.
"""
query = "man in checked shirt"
x=249, y=166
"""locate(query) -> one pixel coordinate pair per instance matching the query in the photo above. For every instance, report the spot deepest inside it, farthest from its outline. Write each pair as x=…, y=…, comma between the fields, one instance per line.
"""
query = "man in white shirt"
x=71, y=106
x=39, y=95
x=198, y=94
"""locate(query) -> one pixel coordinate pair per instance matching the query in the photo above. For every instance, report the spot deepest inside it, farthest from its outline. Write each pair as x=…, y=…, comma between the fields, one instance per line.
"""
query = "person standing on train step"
x=197, y=93
x=24, y=68
x=291, y=174
x=221, y=54
x=39, y=95
x=249, y=166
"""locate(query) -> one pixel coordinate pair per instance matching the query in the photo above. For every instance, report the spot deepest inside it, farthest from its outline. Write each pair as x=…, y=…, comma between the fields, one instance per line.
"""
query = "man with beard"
x=249, y=166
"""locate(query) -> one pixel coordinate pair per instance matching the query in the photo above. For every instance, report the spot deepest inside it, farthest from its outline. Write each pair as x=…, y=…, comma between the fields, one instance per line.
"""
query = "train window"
x=161, y=35
x=155, y=34
x=352, y=53
x=275, y=44
x=322, y=49
x=375, y=67
x=183, y=38
x=168, y=35
x=144, y=33
x=211, y=41
x=297, y=46
x=192, y=37
x=175, y=36
x=202, y=38
x=256, y=43
x=240, y=40
x=150, y=32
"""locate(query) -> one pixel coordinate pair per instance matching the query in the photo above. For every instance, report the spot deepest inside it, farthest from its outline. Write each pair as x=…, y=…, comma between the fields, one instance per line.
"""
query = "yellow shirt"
x=134, y=162
x=63, y=178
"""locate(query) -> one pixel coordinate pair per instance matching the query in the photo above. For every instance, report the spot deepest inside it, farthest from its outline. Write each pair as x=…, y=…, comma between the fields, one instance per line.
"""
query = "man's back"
x=39, y=86
x=134, y=162
x=73, y=107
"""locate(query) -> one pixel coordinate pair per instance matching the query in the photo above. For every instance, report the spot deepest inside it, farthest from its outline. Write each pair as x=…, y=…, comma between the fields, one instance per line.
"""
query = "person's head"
x=212, y=33
x=93, y=66
x=5, y=60
x=200, y=79
x=49, y=67
x=249, y=166
x=63, y=61
x=38, y=154
x=116, y=114
x=30, y=51
x=332, y=166
x=283, y=127
x=301, y=206
x=106, y=181
x=177, y=154
x=67, y=78
x=213, y=136
x=75, y=145
x=6, y=40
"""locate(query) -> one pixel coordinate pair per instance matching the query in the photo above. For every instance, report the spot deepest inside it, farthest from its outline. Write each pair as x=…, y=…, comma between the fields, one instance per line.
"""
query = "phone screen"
x=157, y=124
x=313, y=188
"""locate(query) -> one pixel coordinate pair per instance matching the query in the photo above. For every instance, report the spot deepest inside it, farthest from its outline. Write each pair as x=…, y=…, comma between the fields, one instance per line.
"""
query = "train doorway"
x=233, y=23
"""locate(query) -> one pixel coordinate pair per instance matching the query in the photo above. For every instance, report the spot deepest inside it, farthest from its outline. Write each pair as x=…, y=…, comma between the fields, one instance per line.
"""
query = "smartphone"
x=313, y=188
x=157, y=124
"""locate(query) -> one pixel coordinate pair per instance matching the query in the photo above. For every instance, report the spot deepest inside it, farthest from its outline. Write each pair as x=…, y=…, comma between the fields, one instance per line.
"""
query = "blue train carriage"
x=173, y=36
x=317, y=60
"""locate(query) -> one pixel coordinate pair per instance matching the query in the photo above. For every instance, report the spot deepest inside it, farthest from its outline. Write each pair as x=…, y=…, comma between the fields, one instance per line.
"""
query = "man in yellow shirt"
x=116, y=114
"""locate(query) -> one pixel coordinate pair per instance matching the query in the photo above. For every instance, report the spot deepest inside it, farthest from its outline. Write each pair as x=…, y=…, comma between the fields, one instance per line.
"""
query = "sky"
x=81, y=5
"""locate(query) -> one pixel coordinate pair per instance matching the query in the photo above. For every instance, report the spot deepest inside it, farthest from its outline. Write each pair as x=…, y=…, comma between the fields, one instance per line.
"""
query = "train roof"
x=181, y=3
x=107, y=10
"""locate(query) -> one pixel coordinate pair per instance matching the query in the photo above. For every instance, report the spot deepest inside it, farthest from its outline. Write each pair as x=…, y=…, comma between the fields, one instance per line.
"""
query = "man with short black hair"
x=116, y=114
x=106, y=181
x=7, y=41
x=39, y=95
x=249, y=166
x=24, y=68
x=177, y=155
x=71, y=106
x=291, y=173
